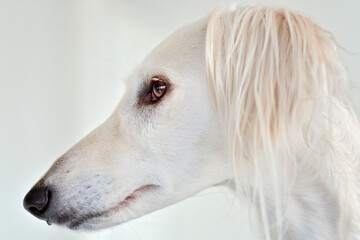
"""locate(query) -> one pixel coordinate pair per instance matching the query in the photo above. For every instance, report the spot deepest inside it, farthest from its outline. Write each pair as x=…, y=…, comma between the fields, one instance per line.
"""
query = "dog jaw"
x=93, y=221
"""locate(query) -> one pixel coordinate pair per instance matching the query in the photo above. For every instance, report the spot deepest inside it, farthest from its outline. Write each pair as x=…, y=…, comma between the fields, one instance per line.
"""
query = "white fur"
x=257, y=98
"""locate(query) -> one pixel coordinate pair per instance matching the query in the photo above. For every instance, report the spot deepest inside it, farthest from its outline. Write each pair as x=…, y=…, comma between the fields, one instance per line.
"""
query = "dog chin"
x=90, y=221
x=90, y=224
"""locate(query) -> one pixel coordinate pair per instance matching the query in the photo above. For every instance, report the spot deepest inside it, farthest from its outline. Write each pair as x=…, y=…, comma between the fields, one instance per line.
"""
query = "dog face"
x=162, y=144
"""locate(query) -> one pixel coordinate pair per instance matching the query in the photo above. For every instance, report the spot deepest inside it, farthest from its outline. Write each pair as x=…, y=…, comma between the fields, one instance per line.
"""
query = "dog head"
x=162, y=144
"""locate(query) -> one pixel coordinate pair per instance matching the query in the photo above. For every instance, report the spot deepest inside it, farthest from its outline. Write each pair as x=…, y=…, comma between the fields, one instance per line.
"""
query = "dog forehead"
x=180, y=50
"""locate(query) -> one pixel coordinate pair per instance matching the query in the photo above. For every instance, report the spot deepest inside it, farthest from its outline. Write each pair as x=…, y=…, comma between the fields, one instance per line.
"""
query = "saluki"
x=253, y=95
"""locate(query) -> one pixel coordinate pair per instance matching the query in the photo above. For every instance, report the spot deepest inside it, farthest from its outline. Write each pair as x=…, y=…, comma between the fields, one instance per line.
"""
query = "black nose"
x=36, y=201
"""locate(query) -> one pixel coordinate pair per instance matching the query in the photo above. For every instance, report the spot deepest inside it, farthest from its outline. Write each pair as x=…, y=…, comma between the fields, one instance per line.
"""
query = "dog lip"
x=75, y=224
x=133, y=196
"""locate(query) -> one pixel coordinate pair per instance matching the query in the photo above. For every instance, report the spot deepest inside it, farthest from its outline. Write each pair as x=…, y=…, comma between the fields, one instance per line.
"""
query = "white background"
x=61, y=67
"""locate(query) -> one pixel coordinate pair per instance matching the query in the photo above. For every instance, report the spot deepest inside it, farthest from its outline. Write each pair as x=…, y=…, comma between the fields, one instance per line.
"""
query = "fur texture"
x=278, y=86
x=256, y=96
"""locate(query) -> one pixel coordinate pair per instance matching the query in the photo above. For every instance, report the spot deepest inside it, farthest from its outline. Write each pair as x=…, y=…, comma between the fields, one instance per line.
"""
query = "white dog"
x=252, y=95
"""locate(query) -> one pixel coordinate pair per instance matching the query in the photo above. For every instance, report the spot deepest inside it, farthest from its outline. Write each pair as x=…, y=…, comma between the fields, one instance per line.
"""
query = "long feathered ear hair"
x=273, y=75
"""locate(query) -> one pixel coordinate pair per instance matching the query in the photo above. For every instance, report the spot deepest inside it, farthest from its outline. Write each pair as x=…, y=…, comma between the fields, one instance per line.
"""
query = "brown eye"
x=154, y=90
x=158, y=89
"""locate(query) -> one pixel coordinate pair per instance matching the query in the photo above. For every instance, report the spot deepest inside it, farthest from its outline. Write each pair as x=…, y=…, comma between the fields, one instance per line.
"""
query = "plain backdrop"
x=62, y=64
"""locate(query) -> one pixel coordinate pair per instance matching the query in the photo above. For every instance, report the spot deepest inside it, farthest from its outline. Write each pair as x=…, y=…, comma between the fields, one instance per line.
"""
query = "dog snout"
x=37, y=200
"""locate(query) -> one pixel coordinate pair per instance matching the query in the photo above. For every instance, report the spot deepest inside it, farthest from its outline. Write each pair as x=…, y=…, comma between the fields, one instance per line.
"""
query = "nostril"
x=37, y=200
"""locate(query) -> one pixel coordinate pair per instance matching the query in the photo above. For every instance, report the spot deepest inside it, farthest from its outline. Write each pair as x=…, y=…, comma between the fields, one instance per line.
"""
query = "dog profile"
x=255, y=96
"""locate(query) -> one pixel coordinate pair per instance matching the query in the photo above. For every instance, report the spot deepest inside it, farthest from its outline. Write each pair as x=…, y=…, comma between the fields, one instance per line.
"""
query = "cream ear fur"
x=278, y=85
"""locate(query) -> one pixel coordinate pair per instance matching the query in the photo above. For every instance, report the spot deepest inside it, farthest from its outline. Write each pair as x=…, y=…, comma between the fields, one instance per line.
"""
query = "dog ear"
x=272, y=74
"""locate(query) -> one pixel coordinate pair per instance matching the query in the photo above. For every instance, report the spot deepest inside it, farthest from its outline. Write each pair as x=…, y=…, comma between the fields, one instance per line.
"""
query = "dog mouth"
x=74, y=223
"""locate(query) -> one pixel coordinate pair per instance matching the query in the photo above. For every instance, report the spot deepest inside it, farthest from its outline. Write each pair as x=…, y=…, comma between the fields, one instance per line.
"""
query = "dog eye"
x=158, y=89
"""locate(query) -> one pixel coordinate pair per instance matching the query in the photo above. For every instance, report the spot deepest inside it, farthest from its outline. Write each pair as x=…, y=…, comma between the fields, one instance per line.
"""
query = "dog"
x=254, y=96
